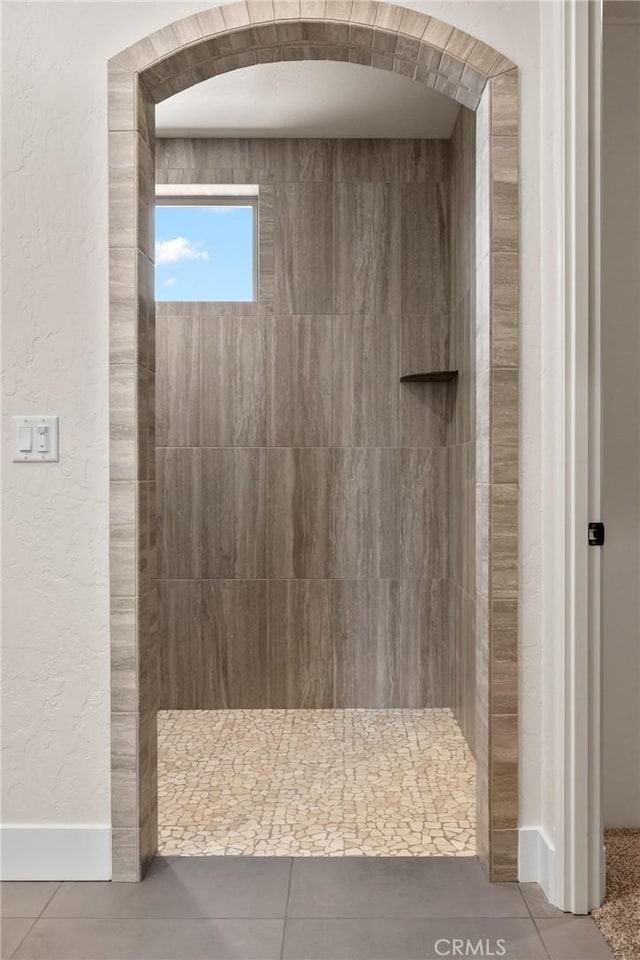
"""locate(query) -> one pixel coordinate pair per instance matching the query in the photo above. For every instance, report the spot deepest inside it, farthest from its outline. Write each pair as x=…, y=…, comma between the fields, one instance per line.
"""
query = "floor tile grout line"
x=526, y=902
x=34, y=920
x=541, y=938
x=286, y=916
x=286, y=907
x=58, y=887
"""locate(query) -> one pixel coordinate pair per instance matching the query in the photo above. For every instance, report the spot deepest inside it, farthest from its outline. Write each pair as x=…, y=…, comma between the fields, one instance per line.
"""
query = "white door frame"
x=574, y=871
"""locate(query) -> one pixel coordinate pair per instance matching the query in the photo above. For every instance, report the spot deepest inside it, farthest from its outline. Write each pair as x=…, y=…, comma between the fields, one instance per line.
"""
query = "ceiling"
x=308, y=99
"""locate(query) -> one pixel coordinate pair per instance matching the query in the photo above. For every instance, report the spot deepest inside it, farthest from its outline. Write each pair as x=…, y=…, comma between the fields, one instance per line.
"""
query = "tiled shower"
x=316, y=532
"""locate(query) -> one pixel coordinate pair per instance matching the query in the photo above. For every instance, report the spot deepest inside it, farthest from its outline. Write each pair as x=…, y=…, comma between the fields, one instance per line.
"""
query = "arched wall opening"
x=382, y=36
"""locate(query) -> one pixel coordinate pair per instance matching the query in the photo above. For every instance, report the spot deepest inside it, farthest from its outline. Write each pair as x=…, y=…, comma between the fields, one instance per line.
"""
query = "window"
x=206, y=242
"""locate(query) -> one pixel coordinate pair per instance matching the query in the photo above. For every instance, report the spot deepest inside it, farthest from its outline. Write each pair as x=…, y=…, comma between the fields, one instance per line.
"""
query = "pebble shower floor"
x=314, y=783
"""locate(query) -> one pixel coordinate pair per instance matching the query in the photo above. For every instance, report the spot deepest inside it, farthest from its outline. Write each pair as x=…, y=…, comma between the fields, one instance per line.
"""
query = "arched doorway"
x=383, y=36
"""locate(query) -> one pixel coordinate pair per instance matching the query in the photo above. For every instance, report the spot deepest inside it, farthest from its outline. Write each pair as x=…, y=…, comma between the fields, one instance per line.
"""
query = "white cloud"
x=170, y=282
x=171, y=251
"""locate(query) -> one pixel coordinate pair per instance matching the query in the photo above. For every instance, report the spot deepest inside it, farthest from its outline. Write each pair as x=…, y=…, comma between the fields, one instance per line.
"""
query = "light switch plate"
x=35, y=439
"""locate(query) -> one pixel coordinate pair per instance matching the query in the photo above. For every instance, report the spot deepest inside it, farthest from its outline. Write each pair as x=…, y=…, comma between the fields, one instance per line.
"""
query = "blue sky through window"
x=204, y=252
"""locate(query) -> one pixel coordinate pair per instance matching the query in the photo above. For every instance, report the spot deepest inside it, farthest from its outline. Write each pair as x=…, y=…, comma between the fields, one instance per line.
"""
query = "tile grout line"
x=540, y=937
x=286, y=908
x=34, y=920
x=533, y=920
x=58, y=887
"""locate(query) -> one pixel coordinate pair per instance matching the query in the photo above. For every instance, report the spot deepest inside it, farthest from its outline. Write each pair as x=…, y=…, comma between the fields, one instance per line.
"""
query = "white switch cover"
x=36, y=439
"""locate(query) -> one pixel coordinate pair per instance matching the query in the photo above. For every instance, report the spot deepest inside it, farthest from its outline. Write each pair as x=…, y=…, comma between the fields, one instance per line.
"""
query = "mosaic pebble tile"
x=314, y=783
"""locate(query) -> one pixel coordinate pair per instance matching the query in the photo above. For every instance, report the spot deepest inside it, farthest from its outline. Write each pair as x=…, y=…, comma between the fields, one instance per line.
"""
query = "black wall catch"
x=596, y=534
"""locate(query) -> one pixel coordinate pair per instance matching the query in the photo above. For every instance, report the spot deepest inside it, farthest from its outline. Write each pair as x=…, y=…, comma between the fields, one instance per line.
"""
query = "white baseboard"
x=535, y=856
x=50, y=852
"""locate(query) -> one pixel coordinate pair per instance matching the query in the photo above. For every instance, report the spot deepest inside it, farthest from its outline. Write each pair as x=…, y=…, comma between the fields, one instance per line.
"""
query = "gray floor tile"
x=537, y=902
x=12, y=932
x=574, y=938
x=411, y=939
x=20, y=898
x=153, y=940
x=185, y=887
x=399, y=887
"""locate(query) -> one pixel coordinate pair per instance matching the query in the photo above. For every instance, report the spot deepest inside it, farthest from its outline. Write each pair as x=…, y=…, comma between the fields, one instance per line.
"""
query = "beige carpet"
x=619, y=917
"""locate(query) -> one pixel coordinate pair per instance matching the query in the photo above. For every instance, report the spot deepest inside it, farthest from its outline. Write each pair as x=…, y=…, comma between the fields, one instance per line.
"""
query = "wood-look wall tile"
x=122, y=188
x=125, y=855
x=483, y=203
x=300, y=160
x=181, y=655
x=462, y=512
x=266, y=246
x=145, y=427
x=463, y=673
x=505, y=288
x=365, y=160
x=483, y=426
x=299, y=491
x=504, y=217
x=234, y=630
x=437, y=33
x=482, y=671
x=483, y=57
x=211, y=382
x=425, y=414
x=123, y=459
x=303, y=251
x=460, y=44
x=503, y=856
x=483, y=315
x=365, y=381
x=425, y=249
x=147, y=440
x=213, y=644
x=462, y=354
x=206, y=310
x=233, y=359
x=300, y=396
x=122, y=98
x=425, y=626
x=483, y=515
x=504, y=104
x=145, y=180
x=504, y=194
x=425, y=409
x=373, y=667
x=122, y=305
x=367, y=266
x=300, y=645
x=364, y=527
x=504, y=772
x=504, y=540
x=146, y=311
x=424, y=343
x=211, y=505
x=124, y=769
x=123, y=655
x=122, y=546
x=423, y=513
x=504, y=425
x=504, y=659
x=423, y=160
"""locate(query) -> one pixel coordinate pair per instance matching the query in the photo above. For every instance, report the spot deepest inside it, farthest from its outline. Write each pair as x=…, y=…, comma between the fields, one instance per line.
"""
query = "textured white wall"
x=55, y=656
x=621, y=423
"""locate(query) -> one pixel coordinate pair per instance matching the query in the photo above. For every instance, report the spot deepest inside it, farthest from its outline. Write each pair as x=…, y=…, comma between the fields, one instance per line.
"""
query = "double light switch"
x=36, y=439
